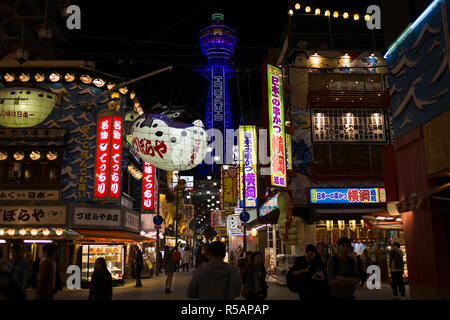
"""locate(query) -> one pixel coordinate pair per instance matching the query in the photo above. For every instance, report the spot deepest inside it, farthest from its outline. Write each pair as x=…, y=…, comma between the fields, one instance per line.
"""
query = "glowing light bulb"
x=327, y=13
x=367, y=17
x=317, y=11
x=290, y=12
x=356, y=16
x=345, y=15
x=308, y=9
x=297, y=6
x=335, y=14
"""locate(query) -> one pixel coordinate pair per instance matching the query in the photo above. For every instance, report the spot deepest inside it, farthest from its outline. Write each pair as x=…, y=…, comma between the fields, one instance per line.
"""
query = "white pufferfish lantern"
x=167, y=144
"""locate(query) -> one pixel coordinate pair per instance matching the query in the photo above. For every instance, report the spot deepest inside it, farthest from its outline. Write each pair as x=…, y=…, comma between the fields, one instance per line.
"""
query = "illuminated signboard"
x=248, y=166
x=229, y=183
x=347, y=195
x=116, y=154
x=148, y=187
x=269, y=206
x=189, y=182
x=218, y=219
x=288, y=151
x=276, y=127
x=102, y=162
x=25, y=107
x=108, y=157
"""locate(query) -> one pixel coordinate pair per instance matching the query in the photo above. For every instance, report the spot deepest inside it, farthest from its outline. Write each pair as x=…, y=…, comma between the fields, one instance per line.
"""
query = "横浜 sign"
x=347, y=195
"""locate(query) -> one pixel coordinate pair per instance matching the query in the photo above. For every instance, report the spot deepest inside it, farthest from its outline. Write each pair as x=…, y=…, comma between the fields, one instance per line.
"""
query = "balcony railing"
x=339, y=98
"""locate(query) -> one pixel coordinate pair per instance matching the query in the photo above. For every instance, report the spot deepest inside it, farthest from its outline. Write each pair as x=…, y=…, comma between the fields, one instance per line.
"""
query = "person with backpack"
x=215, y=280
x=396, y=265
x=342, y=272
x=303, y=270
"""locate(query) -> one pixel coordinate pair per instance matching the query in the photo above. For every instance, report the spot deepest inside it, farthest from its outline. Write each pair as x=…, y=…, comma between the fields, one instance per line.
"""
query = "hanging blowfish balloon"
x=167, y=144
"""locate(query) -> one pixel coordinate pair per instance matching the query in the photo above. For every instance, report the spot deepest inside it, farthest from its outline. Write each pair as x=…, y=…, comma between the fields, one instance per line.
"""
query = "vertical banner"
x=248, y=166
x=148, y=187
x=116, y=154
x=288, y=151
x=276, y=126
x=102, y=161
x=229, y=183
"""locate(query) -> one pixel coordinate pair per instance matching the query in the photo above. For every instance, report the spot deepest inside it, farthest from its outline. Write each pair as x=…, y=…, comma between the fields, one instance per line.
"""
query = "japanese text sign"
x=33, y=215
x=229, y=182
x=248, y=166
x=276, y=127
x=347, y=195
x=108, y=157
x=148, y=187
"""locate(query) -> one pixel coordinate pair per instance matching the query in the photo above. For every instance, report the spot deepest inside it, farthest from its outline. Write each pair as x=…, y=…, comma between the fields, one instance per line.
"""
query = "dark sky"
x=113, y=36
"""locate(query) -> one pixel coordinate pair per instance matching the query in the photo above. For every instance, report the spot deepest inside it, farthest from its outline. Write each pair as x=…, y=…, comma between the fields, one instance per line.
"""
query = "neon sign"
x=148, y=187
x=248, y=166
x=108, y=157
x=347, y=195
x=276, y=127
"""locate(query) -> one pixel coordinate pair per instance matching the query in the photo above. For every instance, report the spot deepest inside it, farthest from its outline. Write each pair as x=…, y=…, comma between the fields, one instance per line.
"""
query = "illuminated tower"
x=217, y=42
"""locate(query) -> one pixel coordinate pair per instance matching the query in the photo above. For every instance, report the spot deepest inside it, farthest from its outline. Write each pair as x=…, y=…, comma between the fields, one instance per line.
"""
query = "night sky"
x=113, y=37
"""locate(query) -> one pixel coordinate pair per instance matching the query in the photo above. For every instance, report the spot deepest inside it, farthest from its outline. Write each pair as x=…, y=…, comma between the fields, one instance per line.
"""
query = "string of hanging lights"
x=327, y=13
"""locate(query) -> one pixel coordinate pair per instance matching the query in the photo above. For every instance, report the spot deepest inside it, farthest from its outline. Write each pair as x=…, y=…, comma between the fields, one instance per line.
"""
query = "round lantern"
x=34, y=232
x=169, y=145
x=69, y=77
x=24, y=77
x=32, y=106
x=85, y=79
x=99, y=82
x=11, y=232
x=22, y=232
x=59, y=231
x=39, y=77
x=2, y=232
x=46, y=232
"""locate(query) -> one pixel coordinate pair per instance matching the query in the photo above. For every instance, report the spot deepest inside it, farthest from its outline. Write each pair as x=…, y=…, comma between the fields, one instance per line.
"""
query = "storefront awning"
x=420, y=200
x=110, y=235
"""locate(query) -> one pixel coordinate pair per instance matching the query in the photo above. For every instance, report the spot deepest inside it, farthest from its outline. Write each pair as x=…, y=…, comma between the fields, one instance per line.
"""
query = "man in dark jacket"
x=303, y=271
x=138, y=265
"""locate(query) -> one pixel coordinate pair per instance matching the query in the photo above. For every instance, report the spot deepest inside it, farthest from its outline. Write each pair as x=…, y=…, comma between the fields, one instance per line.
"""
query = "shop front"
x=110, y=233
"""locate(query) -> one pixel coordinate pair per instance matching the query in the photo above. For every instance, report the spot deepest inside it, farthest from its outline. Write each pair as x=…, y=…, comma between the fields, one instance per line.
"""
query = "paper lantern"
x=99, y=82
x=341, y=224
x=9, y=77
x=329, y=225
x=167, y=144
x=54, y=77
x=35, y=155
x=19, y=155
x=25, y=107
x=24, y=77
x=39, y=77
x=86, y=79
x=52, y=155
x=3, y=155
x=34, y=232
x=352, y=225
x=46, y=232
x=69, y=77
x=11, y=232
x=59, y=231
x=22, y=232
x=2, y=232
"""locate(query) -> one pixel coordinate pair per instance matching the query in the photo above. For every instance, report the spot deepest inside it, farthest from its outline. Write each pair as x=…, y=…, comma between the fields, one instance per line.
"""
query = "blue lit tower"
x=218, y=42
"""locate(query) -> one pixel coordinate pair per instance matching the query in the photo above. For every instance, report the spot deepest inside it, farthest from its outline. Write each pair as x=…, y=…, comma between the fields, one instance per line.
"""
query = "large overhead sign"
x=25, y=107
x=108, y=157
x=347, y=195
x=248, y=166
x=148, y=187
x=229, y=183
x=276, y=127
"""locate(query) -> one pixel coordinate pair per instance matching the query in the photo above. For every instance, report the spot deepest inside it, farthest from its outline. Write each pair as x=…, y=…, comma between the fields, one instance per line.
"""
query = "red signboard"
x=108, y=157
x=229, y=194
x=102, y=162
x=148, y=187
x=116, y=153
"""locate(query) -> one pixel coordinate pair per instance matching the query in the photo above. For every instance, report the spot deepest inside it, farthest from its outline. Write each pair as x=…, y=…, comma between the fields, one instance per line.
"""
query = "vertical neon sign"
x=116, y=153
x=248, y=166
x=276, y=127
x=148, y=187
x=102, y=162
x=288, y=151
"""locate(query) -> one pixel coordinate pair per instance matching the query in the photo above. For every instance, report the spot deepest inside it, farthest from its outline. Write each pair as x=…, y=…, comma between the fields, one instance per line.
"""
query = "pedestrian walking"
x=303, y=270
x=186, y=259
x=366, y=262
x=169, y=266
x=254, y=279
x=48, y=274
x=320, y=278
x=101, y=282
x=215, y=280
x=244, y=263
x=138, y=265
x=342, y=272
x=17, y=267
x=396, y=265
x=176, y=258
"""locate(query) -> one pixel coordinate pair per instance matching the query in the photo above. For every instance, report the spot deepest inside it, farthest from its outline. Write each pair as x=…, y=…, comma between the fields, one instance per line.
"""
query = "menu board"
x=348, y=125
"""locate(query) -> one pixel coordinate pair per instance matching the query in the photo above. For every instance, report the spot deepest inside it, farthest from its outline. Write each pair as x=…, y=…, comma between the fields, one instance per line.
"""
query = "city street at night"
x=225, y=159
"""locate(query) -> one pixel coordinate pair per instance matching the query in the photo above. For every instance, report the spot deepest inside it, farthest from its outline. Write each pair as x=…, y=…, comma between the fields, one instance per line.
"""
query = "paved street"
x=153, y=289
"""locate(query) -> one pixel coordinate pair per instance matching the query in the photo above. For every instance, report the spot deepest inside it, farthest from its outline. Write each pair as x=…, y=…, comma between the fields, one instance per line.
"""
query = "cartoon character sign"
x=169, y=145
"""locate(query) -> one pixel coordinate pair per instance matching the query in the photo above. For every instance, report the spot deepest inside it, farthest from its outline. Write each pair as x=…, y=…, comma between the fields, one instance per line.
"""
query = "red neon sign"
x=148, y=187
x=102, y=161
x=116, y=153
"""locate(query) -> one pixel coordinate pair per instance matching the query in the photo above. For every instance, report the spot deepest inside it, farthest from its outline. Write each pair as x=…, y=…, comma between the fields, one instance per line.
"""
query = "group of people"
x=45, y=279
x=319, y=276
